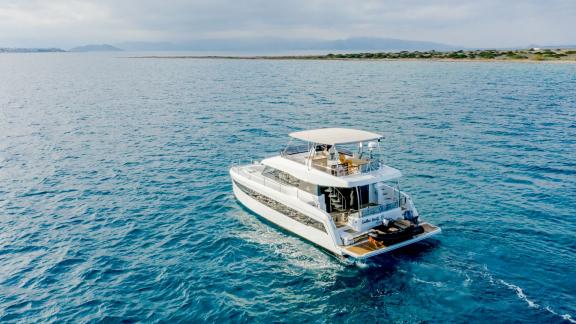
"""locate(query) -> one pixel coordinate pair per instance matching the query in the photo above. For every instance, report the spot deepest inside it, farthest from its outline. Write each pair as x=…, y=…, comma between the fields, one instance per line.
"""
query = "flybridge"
x=339, y=152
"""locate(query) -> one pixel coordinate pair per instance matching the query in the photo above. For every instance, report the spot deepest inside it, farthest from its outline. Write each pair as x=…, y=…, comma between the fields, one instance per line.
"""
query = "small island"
x=518, y=55
x=31, y=50
x=96, y=48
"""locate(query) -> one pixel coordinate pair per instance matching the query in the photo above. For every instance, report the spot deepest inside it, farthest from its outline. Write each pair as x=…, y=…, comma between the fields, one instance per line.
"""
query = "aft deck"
x=365, y=248
x=340, y=218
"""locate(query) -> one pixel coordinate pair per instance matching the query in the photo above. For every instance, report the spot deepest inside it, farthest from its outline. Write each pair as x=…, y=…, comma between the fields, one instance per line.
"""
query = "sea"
x=116, y=203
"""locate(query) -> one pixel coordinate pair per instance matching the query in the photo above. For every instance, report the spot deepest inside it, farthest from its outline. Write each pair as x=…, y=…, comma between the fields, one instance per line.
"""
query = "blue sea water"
x=115, y=200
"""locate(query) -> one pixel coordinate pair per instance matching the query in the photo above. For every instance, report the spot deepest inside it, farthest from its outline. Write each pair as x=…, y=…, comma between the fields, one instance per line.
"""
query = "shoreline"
x=532, y=55
x=319, y=58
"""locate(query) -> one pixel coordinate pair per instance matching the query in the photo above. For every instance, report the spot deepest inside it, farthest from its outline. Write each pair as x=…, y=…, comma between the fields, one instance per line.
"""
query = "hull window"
x=290, y=180
x=281, y=208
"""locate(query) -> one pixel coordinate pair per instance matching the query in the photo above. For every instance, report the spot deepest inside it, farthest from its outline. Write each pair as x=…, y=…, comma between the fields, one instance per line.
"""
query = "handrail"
x=378, y=209
x=275, y=185
x=294, y=149
x=342, y=169
x=239, y=162
x=345, y=170
x=339, y=193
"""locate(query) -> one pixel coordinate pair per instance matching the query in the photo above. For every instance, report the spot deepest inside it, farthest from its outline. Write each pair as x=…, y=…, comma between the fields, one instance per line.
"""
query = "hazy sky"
x=472, y=23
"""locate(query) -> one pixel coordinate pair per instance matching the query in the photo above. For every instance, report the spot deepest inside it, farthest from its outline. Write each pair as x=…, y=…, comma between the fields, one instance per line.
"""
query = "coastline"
x=306, y=58
x=532, y=55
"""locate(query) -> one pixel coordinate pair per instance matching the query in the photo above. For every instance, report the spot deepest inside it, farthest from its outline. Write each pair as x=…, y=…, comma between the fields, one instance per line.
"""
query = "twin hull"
x=329, y=239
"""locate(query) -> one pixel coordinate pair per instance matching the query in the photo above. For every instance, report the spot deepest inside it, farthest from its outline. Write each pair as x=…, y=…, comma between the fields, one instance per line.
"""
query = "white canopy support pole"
x=311, y=151
x=287, y=146
x=399, y=194
x=358, y=198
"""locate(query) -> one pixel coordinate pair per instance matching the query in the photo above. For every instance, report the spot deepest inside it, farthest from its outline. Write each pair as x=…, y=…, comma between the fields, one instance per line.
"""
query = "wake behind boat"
x=334, y=191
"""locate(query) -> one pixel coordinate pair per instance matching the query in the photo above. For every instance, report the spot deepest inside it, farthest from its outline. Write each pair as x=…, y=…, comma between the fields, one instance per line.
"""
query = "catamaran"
x=332, y=189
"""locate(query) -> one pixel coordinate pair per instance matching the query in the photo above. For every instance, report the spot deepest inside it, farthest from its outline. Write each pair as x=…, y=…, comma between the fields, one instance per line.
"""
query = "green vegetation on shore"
x=529, y=54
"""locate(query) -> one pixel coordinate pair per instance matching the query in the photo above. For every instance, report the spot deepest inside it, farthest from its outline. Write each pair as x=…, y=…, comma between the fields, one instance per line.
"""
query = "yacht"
x=330, y=187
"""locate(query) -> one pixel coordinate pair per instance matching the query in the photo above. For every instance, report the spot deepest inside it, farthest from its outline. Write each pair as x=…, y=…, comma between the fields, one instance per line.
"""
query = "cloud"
x=464, y=22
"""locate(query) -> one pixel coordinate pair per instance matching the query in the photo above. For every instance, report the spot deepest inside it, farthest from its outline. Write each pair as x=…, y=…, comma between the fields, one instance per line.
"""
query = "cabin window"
x=281, y=208
x=289, y=179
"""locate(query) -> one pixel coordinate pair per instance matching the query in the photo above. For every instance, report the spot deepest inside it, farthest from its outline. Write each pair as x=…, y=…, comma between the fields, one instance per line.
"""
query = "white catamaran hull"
x=335, y=192
x=311, y=234
x=327, y=240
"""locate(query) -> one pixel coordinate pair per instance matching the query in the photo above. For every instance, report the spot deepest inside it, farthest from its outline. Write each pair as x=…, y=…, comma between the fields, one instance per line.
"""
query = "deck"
x=347, y=164
x=364, y=247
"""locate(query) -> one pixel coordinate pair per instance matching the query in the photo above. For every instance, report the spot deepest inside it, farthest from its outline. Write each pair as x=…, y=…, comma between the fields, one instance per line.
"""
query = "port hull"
x=312, y=235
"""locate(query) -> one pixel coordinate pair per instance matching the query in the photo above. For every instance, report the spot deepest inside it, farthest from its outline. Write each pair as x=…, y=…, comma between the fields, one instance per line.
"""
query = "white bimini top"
x=333, y=136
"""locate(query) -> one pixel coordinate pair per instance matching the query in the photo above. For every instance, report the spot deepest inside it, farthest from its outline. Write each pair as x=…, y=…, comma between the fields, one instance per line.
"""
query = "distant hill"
x=29, y=50
x=275, y=44
x=149, y=46
x=550, y=46
x=96, y=48
x=386, y=44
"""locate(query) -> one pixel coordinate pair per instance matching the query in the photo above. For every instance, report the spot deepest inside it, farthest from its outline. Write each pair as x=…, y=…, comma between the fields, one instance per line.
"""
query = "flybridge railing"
x=346, y=169
x=336, y=170
x=302, y=153
x=239, y=162
x=295, y=149
x=378, y=209
x=340, y=169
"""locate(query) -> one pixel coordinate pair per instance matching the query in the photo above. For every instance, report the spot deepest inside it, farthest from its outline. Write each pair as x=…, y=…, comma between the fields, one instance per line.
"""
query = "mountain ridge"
x=275, y=44
x=95, y=48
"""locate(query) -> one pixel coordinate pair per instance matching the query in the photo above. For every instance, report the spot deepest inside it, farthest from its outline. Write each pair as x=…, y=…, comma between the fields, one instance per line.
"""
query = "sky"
x=469, y=23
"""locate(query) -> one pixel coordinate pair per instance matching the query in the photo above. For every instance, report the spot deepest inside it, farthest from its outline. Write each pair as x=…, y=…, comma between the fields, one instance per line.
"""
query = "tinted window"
x=288, y=179
x=285, y=210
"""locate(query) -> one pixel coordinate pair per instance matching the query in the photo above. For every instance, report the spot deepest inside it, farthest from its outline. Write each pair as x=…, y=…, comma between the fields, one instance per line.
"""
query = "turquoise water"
x=115, y=202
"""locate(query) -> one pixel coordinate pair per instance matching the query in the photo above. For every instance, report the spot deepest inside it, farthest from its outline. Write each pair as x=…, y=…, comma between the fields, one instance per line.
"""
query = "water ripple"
x=116, y=205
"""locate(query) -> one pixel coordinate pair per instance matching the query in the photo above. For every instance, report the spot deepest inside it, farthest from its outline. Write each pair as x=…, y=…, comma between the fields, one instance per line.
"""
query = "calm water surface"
x=115, y=202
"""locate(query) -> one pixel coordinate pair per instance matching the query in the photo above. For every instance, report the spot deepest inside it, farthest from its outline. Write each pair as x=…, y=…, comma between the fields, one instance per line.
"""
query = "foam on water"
x=277, y=242
x=520, y=294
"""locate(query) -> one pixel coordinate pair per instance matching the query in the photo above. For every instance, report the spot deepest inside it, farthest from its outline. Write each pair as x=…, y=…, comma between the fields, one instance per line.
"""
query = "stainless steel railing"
x=378, y=209
x=344, y=169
